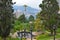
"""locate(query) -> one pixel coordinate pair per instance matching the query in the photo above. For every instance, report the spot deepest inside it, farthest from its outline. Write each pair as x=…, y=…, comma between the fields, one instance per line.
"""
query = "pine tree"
x=6, y=18
x=49, y=13
x=31, y=18
x=22, y=18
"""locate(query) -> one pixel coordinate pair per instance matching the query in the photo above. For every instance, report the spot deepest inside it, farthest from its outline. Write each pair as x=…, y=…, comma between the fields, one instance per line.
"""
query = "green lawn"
x=47, y=37
x=9, y=38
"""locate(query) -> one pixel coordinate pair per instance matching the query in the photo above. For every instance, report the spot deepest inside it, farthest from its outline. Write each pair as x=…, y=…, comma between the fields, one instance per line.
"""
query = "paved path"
x=30, y=39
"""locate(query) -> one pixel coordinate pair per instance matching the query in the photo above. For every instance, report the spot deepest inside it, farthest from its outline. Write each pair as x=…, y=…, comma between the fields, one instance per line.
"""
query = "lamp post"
x=54, y=30
x=25, y=32
x=25, y=8
x=31, y=29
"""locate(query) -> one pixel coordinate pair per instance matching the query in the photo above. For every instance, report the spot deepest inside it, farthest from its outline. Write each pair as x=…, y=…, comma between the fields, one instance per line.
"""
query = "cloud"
x=32, y=3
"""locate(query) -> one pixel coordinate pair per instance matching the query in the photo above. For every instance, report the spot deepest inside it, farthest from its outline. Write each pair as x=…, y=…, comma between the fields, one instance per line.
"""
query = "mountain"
x=29, y=10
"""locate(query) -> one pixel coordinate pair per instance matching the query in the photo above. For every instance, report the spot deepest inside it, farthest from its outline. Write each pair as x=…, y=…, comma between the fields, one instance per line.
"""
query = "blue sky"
x=31, y=3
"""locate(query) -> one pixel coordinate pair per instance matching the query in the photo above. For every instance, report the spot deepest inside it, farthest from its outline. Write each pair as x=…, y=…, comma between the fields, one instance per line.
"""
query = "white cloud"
x=32, y=3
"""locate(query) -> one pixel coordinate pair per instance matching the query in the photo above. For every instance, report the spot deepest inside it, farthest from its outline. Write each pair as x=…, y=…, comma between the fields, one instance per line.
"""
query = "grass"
x=14, y=38
x=43, y=37
x=58, y=30
x=9, y=38
x=47, y=37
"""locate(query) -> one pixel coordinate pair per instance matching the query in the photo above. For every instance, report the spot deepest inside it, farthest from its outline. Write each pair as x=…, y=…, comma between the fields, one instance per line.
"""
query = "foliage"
x=17, y=25
x=6, y=18
x=38, y=23
x=31, y=18
x=58, y=20
x=20, y=26
x=22, y=18
x=49, y=13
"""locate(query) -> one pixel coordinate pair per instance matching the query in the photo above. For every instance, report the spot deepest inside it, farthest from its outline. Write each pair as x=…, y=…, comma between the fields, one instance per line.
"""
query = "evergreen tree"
x=58, y=18
x=6, y=18
x=31, y=18
x=22, y=18
x=49, y=13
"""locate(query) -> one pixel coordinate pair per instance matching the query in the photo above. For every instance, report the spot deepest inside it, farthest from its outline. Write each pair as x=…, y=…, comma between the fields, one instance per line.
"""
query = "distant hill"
x=29, y=11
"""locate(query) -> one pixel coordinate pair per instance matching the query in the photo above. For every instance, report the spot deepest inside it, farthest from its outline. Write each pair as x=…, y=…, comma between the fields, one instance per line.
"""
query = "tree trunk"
x=51, y=33
x=4, y=38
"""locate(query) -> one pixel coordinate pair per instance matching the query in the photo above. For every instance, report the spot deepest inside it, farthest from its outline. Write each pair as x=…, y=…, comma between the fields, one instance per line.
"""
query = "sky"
x=31, y=3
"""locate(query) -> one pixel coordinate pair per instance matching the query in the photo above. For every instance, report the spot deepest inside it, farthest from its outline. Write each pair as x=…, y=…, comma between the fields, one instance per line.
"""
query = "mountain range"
x=29, y=11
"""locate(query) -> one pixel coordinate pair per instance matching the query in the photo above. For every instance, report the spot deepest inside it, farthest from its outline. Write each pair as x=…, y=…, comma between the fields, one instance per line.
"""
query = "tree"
x=49, y=13
x=38, y=23
x=59, y=18
x=31, y=18
x=22, y=18
x=6, y=18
